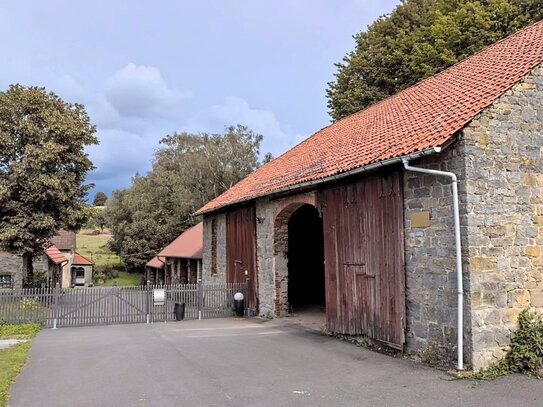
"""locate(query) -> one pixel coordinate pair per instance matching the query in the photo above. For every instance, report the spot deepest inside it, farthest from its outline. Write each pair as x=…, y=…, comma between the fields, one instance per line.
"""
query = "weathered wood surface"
x=241, y=250
x=364, y=254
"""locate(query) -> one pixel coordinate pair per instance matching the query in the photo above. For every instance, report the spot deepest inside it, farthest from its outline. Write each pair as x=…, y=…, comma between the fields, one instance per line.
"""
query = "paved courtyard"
x=228, y=362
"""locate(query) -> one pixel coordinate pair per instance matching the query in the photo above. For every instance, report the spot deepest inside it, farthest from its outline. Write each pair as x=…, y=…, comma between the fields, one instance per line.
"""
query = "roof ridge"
x=401, y=92
x=437, y=74
x=426, y=114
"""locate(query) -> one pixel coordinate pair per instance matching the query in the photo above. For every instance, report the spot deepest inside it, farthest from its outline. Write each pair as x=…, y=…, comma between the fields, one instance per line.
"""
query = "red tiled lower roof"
x=188, y=245
x=81, y=260
x=55, y=255
x=425, y=115
x=155, y=263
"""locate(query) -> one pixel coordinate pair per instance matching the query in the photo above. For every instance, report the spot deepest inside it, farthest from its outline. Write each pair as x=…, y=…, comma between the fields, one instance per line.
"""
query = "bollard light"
x=238, y=304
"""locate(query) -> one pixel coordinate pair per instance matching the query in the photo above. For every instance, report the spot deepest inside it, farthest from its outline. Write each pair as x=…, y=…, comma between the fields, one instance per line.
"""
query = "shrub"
x=526, y=350
x=40, y=278
x=29, y=304
x=526, y=353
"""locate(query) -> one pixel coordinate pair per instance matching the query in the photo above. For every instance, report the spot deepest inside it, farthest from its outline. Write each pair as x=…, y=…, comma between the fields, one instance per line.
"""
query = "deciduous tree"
x=418, y=39
x=188, y=171
x=43, y=167
x=100, y=199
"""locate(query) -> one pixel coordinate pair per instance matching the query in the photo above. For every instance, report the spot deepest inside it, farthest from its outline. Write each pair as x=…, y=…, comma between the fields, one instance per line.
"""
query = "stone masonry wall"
x=431, y=294
x=220, y=276
x=12, y=264
x=272, y=246
x=504, y=171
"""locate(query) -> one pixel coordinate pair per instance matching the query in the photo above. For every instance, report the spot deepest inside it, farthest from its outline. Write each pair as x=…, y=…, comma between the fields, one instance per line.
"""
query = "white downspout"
x=459, y=285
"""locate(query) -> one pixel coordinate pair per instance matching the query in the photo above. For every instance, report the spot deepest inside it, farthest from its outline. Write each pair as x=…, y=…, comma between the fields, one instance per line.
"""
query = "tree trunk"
x=28, y=270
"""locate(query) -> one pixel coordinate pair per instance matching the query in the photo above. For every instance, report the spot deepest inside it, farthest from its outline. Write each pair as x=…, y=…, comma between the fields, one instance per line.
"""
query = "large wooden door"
x=241, y=250
x=364, y=258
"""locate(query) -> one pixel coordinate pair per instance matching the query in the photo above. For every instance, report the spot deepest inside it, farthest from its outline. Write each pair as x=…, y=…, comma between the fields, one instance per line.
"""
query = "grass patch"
x=13, y=359
x=96, y=248
x=124, y=278
x=18, y=331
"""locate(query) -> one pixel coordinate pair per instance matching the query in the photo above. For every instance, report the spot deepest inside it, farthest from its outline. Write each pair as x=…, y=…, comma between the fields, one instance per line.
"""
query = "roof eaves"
x=364, y=168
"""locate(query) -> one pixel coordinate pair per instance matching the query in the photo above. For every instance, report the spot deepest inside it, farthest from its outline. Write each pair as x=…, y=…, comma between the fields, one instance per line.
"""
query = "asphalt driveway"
x=232, y=362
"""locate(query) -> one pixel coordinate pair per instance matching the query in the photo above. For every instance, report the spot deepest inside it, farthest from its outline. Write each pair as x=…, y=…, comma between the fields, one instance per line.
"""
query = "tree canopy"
x=43, y=167
x=418, y=39
x=100, y=199
x=188, y=171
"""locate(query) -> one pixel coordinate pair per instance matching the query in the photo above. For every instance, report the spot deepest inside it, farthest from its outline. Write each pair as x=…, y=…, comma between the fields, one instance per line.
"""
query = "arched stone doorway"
x=305, y=259
x=299, y=259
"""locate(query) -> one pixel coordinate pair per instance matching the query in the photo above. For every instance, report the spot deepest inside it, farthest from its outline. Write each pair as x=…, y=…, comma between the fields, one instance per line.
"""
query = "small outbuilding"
x=81, y=270
x=181, y=261
x=417, y=222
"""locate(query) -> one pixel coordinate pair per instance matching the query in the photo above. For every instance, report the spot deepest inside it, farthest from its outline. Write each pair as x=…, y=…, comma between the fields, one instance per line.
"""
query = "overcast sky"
x=147, y=68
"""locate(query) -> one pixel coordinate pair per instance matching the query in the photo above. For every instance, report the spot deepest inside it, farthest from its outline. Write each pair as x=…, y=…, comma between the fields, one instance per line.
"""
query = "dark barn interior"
x=306, y=287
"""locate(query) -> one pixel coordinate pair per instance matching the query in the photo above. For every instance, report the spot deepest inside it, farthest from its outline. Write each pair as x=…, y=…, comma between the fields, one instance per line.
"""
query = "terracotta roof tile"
x=425, y=115
x=188, y=245
x=155, y=263
x=81, y=260
x=55, y=255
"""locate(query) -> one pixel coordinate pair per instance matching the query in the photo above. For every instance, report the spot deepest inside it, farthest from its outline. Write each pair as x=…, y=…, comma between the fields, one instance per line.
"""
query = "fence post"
x=200, y=300
x=148, y=295
x=248, y=296
x=55, y=305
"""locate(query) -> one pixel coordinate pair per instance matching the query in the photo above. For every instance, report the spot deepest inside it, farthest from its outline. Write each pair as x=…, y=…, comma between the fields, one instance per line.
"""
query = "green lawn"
x=13, y=359
x=95, y=247
x=125, y=278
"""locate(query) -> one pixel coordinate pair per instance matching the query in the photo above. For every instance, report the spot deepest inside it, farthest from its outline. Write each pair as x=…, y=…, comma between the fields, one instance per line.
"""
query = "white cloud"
x=235, y=110
x=134, y=108
x=140, y=91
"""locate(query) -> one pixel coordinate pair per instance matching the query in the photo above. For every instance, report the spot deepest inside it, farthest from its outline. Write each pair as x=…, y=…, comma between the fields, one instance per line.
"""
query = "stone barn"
x=355, y=219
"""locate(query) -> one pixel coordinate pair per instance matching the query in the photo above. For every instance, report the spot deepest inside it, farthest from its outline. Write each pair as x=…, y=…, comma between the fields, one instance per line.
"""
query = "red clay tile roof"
x=188, y=245
x=80, y=260
x=425, y=115
x=64, y=240
x=155, y=263
x=55, y=255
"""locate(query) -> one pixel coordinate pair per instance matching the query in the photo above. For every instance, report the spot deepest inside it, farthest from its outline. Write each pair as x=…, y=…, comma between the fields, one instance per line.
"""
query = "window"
x=214, y=247
x=5, y=281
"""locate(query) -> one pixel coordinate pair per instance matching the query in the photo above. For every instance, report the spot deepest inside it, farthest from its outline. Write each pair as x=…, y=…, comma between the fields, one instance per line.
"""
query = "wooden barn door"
x=364, y=254
x=241, y=250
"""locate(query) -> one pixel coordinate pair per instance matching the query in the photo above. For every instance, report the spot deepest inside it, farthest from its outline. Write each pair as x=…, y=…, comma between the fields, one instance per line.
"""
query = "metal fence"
x=58, y=307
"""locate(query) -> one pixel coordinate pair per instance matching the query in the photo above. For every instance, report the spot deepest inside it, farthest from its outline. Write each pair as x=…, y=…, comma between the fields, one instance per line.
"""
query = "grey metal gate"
x=56, y=307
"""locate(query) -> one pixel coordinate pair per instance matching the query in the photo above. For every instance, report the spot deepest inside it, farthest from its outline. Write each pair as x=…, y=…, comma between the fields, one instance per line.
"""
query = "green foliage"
x=29, y=304
x=40, y=278
x=43, y=167
x=418, y=39
x=526, y=350
x=526, y=354
x=188, y=171
x=124, y=278
x=99, y=199
x=12, y=359
x=97, y=219
x=19, y=330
